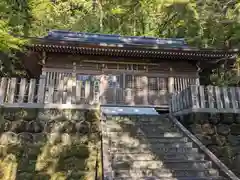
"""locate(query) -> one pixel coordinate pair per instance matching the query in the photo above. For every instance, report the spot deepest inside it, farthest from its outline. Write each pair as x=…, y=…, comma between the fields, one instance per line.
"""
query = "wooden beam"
x=116, y=72
x=119, y=62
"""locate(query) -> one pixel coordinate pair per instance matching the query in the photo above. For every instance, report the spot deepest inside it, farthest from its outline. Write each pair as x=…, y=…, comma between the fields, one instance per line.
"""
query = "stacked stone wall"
x=37, y=144
x=220, y=133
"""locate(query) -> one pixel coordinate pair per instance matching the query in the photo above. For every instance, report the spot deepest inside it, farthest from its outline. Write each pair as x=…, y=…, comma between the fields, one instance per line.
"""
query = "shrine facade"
x=125, y=70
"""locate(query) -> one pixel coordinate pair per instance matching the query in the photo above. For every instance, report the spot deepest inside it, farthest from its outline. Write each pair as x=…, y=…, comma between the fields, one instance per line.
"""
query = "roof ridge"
x=76, y=36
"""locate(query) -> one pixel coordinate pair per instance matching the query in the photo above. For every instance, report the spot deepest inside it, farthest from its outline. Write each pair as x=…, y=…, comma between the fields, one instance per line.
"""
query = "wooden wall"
x=100, y=64
x=157, y=80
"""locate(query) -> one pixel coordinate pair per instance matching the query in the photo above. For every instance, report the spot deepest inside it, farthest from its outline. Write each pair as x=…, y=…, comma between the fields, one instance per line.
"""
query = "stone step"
x=141, y=134
x=147, y=157
x=170, y=178
x=148, y=132
x=148, y=119
x=143, y=145
x=139, y=119
x=159, y=140
x=157, y=151
x=117, y=127
x=157, y=165
x=139, y=131
x=166, y=173
x=157, y=128
x=134, y=117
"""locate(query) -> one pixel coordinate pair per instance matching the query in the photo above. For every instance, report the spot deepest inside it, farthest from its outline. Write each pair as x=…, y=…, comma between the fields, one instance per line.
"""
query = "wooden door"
x=111, y=89
x=141, y=90
x=157, y=91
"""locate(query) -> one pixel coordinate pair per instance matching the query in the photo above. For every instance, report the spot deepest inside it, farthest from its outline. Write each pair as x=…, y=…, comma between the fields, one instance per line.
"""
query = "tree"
x=7, y=26
x=206, y=23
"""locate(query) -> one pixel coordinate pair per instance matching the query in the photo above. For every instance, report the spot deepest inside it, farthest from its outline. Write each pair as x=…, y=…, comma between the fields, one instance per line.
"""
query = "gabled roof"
x=116, y=40
x=124, y=46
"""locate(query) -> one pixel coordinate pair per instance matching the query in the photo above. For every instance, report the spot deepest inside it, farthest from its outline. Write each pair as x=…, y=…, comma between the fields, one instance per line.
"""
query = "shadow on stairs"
x=141, y=144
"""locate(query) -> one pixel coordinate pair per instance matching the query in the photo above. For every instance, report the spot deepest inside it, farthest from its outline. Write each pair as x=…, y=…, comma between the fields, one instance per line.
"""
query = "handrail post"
x=194, y=96
x=41, y=89
x=3, y=86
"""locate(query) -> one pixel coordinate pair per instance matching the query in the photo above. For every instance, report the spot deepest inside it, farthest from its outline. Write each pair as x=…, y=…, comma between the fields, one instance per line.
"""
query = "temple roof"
x=116, y=40
x=123, y=46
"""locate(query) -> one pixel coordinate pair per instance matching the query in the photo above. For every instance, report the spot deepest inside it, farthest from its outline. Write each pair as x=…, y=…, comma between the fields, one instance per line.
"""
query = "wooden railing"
x=36, y=93
x=206, y=99
x=69, y=92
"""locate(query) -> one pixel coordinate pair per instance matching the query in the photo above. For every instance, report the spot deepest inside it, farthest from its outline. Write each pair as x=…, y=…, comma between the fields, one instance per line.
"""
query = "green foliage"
x=206, y=23
x=7, y=41
x=226, y=77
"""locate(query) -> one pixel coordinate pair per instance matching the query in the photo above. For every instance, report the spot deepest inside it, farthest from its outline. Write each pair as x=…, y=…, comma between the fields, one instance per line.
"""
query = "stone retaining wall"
x=48, y=144
x=220, y=133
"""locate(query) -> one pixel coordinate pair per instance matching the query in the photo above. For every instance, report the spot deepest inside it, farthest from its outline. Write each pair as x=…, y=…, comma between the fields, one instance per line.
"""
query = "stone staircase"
x=150, y=147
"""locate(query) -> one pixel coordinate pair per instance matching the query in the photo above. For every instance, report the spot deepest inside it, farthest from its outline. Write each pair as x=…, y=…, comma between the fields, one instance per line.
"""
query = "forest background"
x=203, y=24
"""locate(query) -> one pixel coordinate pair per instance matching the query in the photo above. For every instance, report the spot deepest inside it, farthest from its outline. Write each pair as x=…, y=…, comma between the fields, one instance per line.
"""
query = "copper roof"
x=123, y=46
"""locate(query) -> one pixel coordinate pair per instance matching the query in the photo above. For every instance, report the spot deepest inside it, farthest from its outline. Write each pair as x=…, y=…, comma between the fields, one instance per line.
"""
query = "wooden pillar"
x=170, y=89
x=197, y=82
x=171, y=81
x=170, y=85
x=43, y=61
x=44, y=73
x=74, y=70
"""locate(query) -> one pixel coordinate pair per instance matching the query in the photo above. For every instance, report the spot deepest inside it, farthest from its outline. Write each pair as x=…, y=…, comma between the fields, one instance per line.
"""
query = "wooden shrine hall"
x=122, y=70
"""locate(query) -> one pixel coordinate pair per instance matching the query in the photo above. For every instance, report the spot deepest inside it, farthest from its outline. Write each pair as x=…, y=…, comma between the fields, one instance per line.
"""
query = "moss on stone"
x=33, y=149
x=59, y=176
x=18, y=113
x=72, y=163
x=41, y=176
x=79, y=150
x=26, y=165
x=220, y=133
x=25, y=176
x=235, y=129
x=218, y=140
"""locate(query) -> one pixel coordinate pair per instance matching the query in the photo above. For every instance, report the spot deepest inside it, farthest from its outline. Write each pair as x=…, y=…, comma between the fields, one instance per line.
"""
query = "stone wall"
x=48, y=144
x=220, y=133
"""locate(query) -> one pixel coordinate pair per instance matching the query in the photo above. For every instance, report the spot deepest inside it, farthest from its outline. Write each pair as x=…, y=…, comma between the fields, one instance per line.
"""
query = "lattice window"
x=153, y=83
x=113, y=81
x=129, y=80
x=135, y=67
x=138, y=82
x=162, y=84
